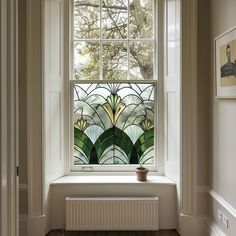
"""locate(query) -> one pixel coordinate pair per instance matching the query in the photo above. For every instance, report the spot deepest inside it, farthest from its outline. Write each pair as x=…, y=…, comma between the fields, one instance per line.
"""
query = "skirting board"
x=36, y=226
x=214, y=230
x=199, y=226
x=194, y=226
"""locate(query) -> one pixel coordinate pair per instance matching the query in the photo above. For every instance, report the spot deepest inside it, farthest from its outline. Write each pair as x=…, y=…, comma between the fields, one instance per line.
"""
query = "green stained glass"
x=114, y=123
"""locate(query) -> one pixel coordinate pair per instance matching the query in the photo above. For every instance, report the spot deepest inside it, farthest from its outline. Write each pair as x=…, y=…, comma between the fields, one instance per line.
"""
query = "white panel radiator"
x=111, y=213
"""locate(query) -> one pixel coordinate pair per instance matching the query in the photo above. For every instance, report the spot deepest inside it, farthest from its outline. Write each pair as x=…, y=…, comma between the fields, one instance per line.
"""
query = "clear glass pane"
x=141, y=60
x=114, y=19
x=114, y=61
x=86, y=60
x=141, y=18
x=86, y=19
x=114, y=123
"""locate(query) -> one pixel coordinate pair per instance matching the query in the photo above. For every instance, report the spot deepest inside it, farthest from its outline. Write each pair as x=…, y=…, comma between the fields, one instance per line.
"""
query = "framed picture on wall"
x=225, y=64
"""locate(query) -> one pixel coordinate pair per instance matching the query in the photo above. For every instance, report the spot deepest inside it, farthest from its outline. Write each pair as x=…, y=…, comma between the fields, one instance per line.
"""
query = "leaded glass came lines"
x=114, y=123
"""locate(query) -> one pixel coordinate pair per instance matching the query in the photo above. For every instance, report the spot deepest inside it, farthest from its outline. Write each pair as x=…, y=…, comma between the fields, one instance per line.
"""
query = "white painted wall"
x=172, y=93
x=194, y=154
x=23, y=170
x=203, y=105
x=172, y=89
x=165, y=192
x=22, y=108
x=8, y=118
x=3, y=122
x=36, y=216
x=223, y=119
x=53, y=105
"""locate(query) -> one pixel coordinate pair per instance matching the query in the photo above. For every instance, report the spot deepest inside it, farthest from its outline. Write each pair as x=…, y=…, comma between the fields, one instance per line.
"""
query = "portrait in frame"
x=225, y=65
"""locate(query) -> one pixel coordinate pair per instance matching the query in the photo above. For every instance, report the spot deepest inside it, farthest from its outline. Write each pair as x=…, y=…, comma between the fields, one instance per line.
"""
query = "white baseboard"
x=193, y=226
x=214, y=230
x=36, y=226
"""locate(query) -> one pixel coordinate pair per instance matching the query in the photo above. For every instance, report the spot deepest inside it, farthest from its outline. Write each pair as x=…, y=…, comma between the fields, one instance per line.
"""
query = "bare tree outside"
x=113, y=39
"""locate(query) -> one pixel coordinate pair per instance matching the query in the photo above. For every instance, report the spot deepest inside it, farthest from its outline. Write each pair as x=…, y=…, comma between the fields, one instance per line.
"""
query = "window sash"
x=156, y=78
x=112, y=168
x=128, y=40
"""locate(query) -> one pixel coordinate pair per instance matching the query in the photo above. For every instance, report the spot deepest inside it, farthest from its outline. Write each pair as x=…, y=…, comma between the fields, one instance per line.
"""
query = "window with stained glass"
x=114, y=123
x=113, y=92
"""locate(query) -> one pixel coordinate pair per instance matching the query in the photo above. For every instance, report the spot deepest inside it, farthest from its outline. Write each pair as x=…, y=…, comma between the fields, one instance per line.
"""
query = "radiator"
x=111, y=213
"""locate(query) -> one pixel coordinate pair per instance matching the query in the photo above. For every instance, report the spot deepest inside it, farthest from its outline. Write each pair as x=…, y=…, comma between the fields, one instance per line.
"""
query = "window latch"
x=87, y=168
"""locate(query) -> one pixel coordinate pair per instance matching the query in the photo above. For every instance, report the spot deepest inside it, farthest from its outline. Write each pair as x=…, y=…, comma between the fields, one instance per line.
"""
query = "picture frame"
x=225, y=65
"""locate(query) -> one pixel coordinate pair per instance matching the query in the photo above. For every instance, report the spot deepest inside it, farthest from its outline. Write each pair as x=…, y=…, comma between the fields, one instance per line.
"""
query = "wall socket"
x=223, y=219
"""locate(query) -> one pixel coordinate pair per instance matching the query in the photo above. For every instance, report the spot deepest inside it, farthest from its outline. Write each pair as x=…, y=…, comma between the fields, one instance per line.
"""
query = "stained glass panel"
x=114, y=123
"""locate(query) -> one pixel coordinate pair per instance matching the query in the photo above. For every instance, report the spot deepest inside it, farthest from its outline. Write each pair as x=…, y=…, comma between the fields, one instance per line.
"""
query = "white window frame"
x=158, y=168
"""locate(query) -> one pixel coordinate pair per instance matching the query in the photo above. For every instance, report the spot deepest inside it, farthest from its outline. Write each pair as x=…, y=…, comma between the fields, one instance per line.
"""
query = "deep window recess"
x=113, y=92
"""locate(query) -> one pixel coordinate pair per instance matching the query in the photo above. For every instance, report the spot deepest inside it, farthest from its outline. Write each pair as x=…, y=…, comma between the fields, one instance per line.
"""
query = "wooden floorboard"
x=113, y=233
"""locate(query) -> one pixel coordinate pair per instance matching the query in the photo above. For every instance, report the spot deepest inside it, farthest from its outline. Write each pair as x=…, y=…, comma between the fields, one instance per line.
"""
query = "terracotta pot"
x=141, y=173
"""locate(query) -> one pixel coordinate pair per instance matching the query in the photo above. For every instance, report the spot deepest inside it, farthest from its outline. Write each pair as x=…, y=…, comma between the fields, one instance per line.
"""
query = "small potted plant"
x=141, y=173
